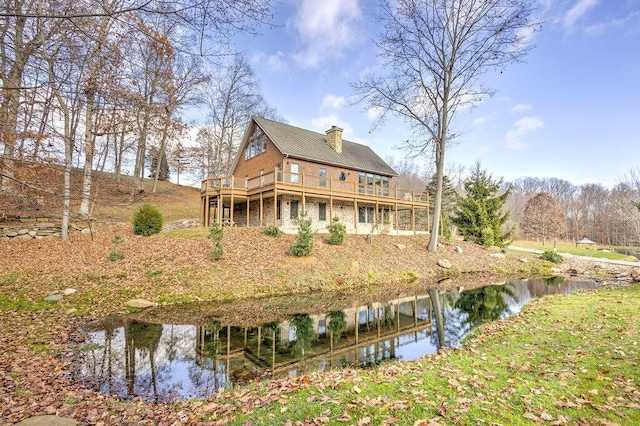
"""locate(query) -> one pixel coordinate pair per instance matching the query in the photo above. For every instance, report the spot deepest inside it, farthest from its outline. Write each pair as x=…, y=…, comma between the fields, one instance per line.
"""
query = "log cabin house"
x=281, y=171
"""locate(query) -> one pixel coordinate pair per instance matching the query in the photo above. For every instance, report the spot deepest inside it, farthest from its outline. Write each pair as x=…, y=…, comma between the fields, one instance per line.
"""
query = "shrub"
x=303, y=245
x=215, y=235
x=552, y=256
x=337, y=232
x=147, y=220
x=272, y=231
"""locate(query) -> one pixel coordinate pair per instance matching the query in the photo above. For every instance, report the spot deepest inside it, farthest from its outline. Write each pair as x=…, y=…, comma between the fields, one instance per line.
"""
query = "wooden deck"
x=232, y=191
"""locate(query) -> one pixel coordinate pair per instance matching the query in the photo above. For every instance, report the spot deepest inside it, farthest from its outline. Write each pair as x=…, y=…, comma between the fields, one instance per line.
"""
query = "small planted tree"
x=115, y=254
x=215, y=235
x=303, y=245
x=337, y=232
x=147, y=220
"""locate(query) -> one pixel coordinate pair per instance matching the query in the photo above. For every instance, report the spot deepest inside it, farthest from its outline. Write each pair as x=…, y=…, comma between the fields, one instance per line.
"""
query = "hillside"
x=38, y=193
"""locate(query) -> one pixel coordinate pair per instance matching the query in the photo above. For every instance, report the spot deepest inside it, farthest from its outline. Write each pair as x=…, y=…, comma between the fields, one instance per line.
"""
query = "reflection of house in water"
x=286, y=348
x=174, y=362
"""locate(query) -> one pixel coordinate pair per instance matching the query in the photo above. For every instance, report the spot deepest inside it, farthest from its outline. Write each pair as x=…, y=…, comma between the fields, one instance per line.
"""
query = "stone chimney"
x=334, y=138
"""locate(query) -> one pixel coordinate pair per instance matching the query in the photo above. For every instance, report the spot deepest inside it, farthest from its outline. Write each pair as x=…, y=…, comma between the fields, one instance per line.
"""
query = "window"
x=294, y=210
x=295, y=178
x=362, y=214
x=322, y=173
x=322, y=212
x=257, y=144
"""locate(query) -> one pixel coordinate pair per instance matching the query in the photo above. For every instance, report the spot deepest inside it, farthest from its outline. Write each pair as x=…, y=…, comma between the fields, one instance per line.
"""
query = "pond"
x=193, y=351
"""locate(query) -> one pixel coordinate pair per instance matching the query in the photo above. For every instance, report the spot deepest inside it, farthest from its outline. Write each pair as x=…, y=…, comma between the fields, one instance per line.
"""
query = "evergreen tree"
x=479, y=215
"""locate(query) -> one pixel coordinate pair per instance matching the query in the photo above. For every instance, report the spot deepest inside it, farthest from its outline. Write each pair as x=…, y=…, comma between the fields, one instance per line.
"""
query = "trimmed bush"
x=487, y=237
x=337, y=232
x=147, y=220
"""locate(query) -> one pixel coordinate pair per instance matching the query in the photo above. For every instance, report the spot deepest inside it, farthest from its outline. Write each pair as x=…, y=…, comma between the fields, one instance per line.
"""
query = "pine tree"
x=479, y=215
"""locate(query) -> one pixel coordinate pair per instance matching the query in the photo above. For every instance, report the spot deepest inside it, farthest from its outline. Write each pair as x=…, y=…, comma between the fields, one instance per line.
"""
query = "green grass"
x=572, y=249
x=564, y=360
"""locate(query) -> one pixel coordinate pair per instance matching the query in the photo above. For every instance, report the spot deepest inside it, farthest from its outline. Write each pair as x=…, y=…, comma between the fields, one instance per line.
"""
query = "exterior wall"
x=266, y=161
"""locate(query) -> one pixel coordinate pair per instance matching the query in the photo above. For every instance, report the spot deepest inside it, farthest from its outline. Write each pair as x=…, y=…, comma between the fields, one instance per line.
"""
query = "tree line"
x=541, y=209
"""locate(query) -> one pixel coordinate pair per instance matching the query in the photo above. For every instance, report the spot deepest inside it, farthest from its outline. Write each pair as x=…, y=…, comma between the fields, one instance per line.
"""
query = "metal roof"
x=303, y=144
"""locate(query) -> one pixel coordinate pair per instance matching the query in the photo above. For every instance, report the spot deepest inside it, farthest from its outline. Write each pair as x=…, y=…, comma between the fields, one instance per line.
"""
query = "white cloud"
x=324, y=122
x=578, y=11
x=275, y=62
x=333, y=102
x=525, y=125
x=521, y=108
x=325, y=28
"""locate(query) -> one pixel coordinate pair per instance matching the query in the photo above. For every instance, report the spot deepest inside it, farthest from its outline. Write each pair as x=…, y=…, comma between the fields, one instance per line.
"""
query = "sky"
x=571, y=111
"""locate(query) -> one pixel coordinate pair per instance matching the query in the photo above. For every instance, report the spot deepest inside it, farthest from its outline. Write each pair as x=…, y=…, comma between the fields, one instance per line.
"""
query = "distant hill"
x=38, y=193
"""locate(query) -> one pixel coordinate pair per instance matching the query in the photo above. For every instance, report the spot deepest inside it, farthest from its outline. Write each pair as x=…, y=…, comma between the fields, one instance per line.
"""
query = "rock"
x=498, y=255
x=24, y=237
x=69, y=291
x=459, y=249
x=555, y=270
x=48, y=421
x=524, y=260
x=71, y=311
x=444, y=263
x=401, y=246
x=635, y=275
x=86, y=231
x=140, y=303
x=53, y=298
x=440, y=245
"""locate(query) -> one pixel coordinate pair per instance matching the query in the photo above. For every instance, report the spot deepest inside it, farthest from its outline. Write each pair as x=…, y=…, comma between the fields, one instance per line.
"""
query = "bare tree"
x=233, y=97
x=543, y=217
x=433, y=55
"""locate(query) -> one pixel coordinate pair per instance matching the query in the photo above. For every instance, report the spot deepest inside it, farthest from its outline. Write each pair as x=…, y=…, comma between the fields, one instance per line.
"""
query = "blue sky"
x=572, y=111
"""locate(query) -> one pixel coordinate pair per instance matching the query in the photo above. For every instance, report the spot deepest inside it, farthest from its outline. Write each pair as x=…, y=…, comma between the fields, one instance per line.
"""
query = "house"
x=281, y=171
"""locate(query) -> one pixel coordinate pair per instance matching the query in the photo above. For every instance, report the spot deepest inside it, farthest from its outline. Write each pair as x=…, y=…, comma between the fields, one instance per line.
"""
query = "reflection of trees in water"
x=142, y=337
x=464, y=311
x=304, y=334
x=336, y=325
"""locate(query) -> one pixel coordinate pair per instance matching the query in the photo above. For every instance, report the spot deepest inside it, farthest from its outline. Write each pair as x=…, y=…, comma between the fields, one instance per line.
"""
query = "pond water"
x=166, y=355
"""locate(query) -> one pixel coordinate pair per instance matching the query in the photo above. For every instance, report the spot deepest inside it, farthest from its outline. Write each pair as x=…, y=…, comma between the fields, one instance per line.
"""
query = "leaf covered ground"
x=525, y=370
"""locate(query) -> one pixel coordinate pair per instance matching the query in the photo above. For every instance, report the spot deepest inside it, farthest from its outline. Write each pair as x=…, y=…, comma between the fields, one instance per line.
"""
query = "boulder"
x=459, y=249
x=498, y=255
x=635, y=275
x=401, y=246
x=444, y=263
x=53, y=298
x=69, y=291
x=48, y=421
x=140, y=303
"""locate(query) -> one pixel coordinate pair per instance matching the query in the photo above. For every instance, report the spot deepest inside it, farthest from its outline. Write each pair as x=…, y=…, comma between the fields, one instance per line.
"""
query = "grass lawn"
x=563, y=360
x=571, y=248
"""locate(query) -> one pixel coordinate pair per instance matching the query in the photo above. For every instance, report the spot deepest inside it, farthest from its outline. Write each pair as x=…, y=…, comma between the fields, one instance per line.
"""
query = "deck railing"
x=282, y=179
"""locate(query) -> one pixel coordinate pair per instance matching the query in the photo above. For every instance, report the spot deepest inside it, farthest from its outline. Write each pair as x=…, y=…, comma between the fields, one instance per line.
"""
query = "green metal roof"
x=312, y=146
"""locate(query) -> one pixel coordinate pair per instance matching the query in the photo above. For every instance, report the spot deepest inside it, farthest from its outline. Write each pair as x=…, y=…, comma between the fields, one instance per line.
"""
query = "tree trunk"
x=89, y=146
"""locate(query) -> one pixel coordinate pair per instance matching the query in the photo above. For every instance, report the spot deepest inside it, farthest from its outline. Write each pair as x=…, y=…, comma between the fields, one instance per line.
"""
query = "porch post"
x=355, y=215
x=247, y=211
x=231, y=202
x=261, y=209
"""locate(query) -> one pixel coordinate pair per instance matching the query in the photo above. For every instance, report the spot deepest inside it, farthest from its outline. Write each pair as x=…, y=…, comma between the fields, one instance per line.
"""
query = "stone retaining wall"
x=35, y=229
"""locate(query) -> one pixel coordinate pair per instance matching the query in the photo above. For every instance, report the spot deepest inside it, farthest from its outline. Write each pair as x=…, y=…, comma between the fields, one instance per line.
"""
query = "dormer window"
x=257, y=144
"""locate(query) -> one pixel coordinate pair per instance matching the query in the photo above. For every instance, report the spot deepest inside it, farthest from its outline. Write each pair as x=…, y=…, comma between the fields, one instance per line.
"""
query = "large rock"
x=140, y=303
x=635, y=275
x=498, y=255
x=444, y=263
x=48, y=421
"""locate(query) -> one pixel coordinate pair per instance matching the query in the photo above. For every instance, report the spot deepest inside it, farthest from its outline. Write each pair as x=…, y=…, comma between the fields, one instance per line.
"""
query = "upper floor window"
x=257, y=144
